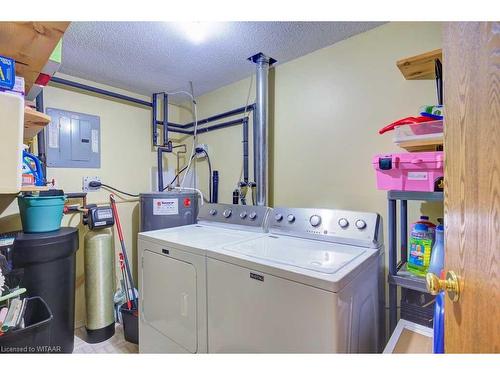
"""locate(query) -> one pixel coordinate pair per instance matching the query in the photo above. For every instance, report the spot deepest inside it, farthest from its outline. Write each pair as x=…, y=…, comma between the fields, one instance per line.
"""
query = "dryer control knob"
x=315, y=220
x=227, y=213
x=343, y=223
x=243, y=214
x=360, y=224
x=253, y=215
x=290, y=218
x=278, y=217
x=212, y=212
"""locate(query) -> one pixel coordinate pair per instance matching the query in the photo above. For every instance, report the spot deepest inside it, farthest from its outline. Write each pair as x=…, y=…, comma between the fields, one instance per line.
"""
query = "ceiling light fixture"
x=198, y=32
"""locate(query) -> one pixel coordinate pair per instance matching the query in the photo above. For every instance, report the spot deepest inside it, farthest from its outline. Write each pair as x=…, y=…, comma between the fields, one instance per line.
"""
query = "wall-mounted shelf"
x=420, y=145
x=420, y=66
x=34, y=122
x=30, y=44
x=29, y=188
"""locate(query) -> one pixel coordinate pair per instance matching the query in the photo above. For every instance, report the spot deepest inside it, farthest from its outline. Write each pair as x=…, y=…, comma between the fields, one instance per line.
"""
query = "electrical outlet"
x=202, y=146
x=86, y=181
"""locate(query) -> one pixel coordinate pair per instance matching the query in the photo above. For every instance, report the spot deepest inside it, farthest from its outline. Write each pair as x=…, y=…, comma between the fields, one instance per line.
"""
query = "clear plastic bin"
x=424, y=131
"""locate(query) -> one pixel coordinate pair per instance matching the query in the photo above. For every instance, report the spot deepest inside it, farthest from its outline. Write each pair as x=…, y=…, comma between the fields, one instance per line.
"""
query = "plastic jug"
x=420, y=248
x=37, y=171
x=437, y=257
x=425, y=220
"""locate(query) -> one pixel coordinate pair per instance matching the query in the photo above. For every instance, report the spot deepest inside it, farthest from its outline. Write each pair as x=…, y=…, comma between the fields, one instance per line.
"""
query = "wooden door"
x=471, y=54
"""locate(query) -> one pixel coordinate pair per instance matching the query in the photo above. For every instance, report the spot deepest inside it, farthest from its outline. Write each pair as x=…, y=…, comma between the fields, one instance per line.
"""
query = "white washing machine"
x=313, y=284
x=172, y=275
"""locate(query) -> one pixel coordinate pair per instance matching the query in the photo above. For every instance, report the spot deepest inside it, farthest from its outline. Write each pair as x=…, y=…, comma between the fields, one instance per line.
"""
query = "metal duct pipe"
x=254, y=145
x=260, y=130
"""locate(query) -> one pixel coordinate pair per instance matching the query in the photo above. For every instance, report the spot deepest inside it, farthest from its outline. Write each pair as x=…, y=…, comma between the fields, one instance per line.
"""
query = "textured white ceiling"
x=147, y=57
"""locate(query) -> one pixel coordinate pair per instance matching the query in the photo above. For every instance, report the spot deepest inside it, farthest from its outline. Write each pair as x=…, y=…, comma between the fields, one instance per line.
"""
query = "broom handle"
x=125, y=283
x=124, y=250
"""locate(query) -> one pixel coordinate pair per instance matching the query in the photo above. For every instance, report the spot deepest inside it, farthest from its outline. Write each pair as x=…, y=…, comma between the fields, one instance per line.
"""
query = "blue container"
x=41, y=214
x=7, y=73
x=37, y=172
x=438, y=340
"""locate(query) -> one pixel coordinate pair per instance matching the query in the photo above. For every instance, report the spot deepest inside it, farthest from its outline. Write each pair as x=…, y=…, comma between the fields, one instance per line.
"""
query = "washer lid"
x=197, y=236
x=319, y=256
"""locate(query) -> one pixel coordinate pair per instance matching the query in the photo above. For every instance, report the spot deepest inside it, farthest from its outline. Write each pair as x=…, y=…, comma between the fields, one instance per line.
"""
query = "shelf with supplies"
x=398, y=275
x=406, y=279
x=30, y=44
x=436, y=196
x=31, y=48
x=425, y=136
x=34, y=122
x=420, y=66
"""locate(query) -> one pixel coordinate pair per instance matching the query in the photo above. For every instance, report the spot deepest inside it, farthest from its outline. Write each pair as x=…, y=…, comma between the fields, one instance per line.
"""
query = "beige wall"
x=325, y=112
x=126, y=159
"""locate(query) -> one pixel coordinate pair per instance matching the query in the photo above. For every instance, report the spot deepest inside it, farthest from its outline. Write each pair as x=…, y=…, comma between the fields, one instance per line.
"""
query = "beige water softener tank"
x=99, y=285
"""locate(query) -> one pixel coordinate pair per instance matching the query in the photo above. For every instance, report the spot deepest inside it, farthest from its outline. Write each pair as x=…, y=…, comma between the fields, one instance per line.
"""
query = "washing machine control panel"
x=255, y=216
x=349, y=227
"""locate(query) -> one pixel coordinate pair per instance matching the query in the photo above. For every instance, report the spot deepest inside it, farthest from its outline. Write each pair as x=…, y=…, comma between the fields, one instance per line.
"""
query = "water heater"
x=167, y=210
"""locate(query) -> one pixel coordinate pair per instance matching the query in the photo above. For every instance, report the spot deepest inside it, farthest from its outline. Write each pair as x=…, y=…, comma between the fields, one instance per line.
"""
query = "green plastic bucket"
x=41, y=214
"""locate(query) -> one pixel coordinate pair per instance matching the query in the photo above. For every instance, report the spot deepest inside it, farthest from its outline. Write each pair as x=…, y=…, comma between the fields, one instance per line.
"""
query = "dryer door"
x=169, y=298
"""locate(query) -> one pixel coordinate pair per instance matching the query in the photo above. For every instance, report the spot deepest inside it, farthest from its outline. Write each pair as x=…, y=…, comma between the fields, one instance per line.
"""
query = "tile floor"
x=114, y=345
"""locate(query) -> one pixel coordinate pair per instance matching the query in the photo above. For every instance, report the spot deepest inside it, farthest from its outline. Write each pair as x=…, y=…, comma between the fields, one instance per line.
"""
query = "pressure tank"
x=99, y=285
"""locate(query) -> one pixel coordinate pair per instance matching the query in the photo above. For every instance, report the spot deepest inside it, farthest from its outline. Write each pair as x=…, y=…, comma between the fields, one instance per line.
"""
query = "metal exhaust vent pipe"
x=263, y=63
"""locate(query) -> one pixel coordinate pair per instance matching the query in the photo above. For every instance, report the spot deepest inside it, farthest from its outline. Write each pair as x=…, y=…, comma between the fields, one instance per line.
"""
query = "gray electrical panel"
x=73, y=140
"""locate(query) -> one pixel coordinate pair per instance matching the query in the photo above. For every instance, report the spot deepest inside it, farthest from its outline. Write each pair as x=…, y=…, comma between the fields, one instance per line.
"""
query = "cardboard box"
x=410, y=338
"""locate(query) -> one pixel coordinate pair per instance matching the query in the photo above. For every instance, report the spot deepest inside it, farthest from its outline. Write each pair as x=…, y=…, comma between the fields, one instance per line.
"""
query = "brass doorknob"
x=451, y=285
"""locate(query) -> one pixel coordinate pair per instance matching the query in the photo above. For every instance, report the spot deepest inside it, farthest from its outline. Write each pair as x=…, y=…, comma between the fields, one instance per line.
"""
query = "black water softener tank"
x=48, y=266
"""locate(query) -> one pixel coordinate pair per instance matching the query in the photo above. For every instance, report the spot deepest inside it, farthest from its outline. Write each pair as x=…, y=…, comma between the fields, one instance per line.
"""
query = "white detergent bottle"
x=437, y=256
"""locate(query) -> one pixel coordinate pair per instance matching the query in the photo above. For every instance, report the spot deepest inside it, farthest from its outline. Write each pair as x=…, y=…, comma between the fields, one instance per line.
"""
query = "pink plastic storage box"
x=411, y=171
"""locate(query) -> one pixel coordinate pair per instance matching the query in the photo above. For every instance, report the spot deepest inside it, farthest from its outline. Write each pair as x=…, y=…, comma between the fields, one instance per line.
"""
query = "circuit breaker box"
x=73, y=140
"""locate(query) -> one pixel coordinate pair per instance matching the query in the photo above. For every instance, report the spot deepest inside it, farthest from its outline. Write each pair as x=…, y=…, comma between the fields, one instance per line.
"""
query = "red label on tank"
x=187, y=202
